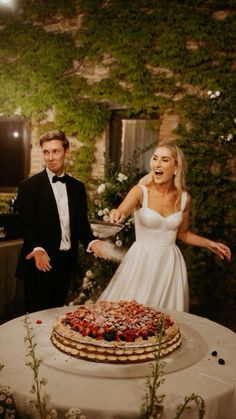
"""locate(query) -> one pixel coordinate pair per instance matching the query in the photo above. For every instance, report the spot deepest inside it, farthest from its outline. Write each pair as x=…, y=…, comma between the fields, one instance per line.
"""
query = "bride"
x=153, y=271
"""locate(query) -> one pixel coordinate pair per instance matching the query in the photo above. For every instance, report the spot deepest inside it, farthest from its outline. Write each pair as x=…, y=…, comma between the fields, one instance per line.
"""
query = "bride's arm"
x=131, y=202
x=187, y=236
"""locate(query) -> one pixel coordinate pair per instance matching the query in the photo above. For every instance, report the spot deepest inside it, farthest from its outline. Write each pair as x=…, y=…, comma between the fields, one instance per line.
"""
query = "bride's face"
x=163, y=165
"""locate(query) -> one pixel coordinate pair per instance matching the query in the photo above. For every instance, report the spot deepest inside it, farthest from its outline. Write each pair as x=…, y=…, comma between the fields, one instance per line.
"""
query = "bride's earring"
x=174, y=173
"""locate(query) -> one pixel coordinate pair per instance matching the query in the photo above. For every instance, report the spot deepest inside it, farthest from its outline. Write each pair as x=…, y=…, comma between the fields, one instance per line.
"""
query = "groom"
x=53, y=217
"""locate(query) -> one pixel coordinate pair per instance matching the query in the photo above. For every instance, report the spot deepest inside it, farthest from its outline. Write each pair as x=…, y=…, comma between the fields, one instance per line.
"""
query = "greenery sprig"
x=185, y=405
x=152, y=407
x=41, y=404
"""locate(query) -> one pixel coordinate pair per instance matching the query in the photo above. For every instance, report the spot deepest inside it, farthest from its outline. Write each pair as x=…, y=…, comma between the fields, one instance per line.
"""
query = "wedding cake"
x=116, y=332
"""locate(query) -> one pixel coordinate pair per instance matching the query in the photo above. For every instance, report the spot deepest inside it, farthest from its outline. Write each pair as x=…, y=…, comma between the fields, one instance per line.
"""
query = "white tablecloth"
x=113, y=391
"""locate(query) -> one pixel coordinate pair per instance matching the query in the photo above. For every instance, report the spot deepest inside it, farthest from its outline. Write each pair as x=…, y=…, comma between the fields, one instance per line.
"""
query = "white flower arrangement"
x=101, y=188
x=225, y=138
x=121, y=177
x=118, y=243
x=213, y=95
x=75, y=413
x=87, y=285
x=129, y=221
x=89, y=274
x=7, y=405
x=229, y=138
x=104, y=213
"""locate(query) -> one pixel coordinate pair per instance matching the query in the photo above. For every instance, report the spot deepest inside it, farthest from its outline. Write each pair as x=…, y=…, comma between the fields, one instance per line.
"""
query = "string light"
x=15, y=134
x=7, y=2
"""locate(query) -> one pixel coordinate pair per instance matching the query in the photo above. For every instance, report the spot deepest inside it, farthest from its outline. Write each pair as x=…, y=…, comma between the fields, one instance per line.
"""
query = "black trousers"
x=45, y=290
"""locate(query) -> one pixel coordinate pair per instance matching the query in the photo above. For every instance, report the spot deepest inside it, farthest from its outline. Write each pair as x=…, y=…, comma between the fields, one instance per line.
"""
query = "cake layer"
x=115, y=355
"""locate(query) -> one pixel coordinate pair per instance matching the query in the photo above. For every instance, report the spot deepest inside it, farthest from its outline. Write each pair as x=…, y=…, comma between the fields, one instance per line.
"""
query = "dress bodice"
x=152, y=227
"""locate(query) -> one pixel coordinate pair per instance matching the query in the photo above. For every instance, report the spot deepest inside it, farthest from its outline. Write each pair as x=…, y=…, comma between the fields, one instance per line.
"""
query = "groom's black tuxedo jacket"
x=39, y=218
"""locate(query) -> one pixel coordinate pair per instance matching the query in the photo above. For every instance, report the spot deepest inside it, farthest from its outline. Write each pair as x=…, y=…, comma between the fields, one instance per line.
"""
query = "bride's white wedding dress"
x=153, y=270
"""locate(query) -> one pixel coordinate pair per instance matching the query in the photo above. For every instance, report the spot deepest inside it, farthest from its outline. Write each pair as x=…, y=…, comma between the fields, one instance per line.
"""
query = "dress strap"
x=145, y=194
x=183, y=200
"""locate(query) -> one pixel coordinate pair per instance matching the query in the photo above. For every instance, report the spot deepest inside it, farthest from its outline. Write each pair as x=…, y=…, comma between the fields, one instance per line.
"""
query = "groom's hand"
x=41, y=259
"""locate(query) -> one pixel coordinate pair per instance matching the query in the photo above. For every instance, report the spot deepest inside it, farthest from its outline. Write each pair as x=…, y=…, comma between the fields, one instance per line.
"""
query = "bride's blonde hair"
x=181, y=169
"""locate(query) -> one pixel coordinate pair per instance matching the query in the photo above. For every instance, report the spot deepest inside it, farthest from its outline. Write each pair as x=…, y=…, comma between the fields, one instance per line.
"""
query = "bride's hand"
x=220, y=250
x=116, y=217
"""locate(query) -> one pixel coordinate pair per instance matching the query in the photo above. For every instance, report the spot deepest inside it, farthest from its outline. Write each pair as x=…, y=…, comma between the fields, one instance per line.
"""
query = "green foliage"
x=43, y=9
x=211, y=155
x=36, y=67
x=5, y=203
x=31, y=68
x=80, y=162
x=34, y=76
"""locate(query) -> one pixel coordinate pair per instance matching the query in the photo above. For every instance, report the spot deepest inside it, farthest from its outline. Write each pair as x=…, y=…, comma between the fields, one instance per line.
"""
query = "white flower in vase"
x=100, y=213
x=118, y=243
x=101, y=188
x=86, y=280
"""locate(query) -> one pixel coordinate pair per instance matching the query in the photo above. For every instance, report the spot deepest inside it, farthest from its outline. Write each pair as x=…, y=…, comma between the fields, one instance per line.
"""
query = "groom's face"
x=54, y=156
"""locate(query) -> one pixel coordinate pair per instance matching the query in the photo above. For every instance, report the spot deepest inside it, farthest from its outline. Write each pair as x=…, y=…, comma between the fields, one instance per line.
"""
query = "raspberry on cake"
x=116, y=332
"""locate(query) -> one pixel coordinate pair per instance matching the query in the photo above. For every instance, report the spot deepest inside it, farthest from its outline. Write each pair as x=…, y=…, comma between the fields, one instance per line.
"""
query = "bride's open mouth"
x=158, y=172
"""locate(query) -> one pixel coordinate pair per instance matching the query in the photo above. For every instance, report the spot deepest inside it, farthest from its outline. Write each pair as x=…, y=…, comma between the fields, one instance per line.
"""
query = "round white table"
x=105, y=391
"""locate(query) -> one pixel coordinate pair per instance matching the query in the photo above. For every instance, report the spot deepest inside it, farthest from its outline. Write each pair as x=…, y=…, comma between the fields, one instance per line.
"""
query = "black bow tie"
x=59, y=178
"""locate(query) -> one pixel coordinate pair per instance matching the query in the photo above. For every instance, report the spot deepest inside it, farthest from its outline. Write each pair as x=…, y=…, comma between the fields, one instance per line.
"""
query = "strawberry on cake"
x=116, y=332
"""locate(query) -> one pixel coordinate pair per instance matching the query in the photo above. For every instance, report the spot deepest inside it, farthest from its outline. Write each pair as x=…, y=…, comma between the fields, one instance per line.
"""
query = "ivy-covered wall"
x=152, y=56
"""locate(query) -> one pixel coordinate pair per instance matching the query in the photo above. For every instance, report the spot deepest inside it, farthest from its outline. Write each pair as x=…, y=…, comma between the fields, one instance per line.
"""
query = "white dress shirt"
x=60, y=193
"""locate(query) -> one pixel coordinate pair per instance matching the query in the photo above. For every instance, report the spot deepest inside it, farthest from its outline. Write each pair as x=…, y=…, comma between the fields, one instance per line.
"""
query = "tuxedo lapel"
x=71, y=200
